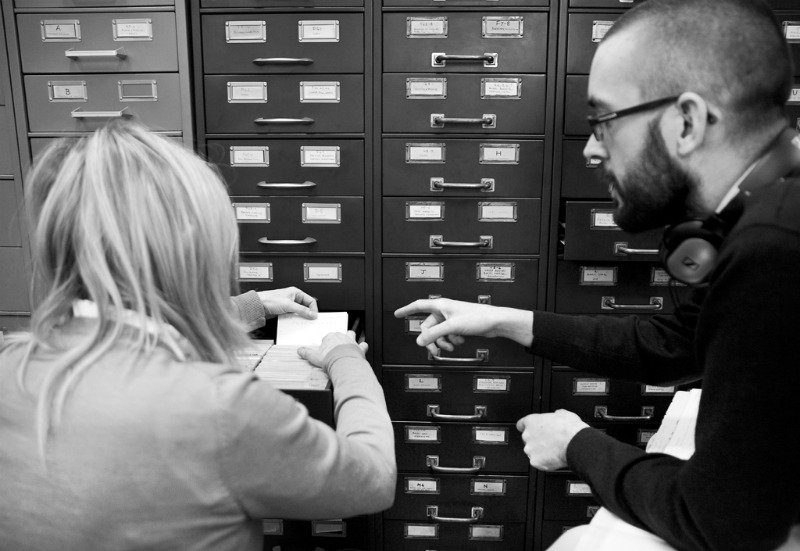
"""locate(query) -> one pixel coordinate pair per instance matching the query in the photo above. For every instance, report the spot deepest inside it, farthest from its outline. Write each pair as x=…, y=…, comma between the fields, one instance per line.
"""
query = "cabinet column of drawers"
x=282, y=100
x=464, y=148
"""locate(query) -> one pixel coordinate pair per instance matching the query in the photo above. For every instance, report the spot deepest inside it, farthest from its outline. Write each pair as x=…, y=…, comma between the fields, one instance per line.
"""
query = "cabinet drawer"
x=152, y=99
x=567, y=497
x=90, y=3
x=118, y=42
x=426, y=447
x=292, y=224
x=338, y=283
x=461, y=225
x=290, y=167
x=576, y=108
x=502, y=282
x=584, y=33
x=551, y=530
x=591, y=234
x=606, y=288
x=284, y=103
x=10, y=214
x=464, y=103
x=7, y=159
x=791, y=30
x=455, y=496
x=315, y=534
x=400, y=347
x=471, y=3
x=603, y=3
x=580, y=179
x=493, y=396
x=463, y=167
x=424, y=536
x=515, y=42
x=283, y=43
x=278, y=3
x=793, y=106
x=14, y=290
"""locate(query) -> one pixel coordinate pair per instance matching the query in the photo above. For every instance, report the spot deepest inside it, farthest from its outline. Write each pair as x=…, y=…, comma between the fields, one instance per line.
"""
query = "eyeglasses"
x=595, y=122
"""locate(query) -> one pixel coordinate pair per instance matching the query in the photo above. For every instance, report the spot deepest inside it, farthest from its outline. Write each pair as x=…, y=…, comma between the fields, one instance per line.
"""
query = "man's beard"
x=655, y=191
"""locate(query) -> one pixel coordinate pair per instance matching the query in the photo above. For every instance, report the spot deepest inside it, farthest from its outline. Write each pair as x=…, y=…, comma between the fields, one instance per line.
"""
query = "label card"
x=272, y=527
x=497, y=211
x=599, y=29
x=249, y=155
x=413, y=324
x=426, y=88
x=61, y=30
x=322, y=213
x=329, y=528
x=67, y=90
x=502, y=27
x=482, y=435
x=424, y=210
x=430, y=531
x=421, y=485
x=487, y=486
x=252, y=212
x=247, y=92
x=320, y=92
x=659, y=277
x=501, y=88
x=791, y=30
x=423, y=434
x=318, y=31
x=425, y=153
x=132, y=29
x=794, y=97
x=255, y=271
x=599, y=276
x=320, y=155
x=499, y=153
x=495, y=271
x=319, y=272
x=426, y=27
x=602, y=219
x=491, y=384
x=486, y=532
x=424, y=271
x=578, y=488
x=245, y=32
x=653, y=390
x=590, y=387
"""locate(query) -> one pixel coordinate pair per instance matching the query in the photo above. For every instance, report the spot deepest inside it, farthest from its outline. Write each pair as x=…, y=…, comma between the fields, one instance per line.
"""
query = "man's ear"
x=695, y=117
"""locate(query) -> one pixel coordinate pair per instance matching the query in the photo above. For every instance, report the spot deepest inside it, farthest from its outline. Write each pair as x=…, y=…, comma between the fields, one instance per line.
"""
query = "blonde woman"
x=125, y=421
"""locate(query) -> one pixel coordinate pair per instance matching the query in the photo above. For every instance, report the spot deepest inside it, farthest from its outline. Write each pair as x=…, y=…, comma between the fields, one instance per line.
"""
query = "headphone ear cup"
x=689, y=251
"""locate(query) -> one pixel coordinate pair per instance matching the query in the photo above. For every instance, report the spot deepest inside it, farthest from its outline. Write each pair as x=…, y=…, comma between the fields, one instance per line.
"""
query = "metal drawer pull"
x=433, y=411
x=607, y=303
x=283, y=61
x=305, y=241
x=286, y=185
x=440, y=59
x=601, y=412
x=75, y=54
x=487, y=120
x=436, y=241
x=478, y=463
x=481, y=357
x=78, y=114
x=622, y=248
x=279, y=120
x=433, y=513
x=438, y=184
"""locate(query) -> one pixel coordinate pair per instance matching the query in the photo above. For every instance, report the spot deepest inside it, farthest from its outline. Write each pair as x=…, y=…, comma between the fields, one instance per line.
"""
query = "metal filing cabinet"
x=282, y=98
x=464, y=149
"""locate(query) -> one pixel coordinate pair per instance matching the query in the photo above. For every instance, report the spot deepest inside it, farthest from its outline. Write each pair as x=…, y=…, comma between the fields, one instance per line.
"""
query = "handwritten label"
x=318, y=31
x=603, y=219
x=590, y=387
x=249, y=155
x=485, y=532
x=422, y=485
x=252, y=212
x=502, y=27
x=495, y=153
x=67, y=91
x=491, y=384
x=421, y=531
x=261, y=271
x=132, y=29
x=495, y=271
x=791, y=30
x=319, y=92
x=425, y=152
x=578, y=488
x=591, y=275
x=494, y=487
x=66, y=30
x=320, y=155
x=322, y=213
x=244, y=32
x=422, y=434
x=424, y=211
x=322, y=272
x=425, y=383
x=490, y=436
x=426, y=27
x=599, y=29
x=497, y=212
x=501, y=88
x=426, y=88
x=424, y=271
x=247, y=92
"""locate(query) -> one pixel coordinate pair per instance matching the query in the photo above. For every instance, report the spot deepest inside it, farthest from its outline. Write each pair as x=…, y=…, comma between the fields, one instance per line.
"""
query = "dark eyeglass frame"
x=596, y=121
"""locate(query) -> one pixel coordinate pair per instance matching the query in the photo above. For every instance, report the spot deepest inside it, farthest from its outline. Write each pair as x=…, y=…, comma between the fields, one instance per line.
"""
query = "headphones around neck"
x=689, y=248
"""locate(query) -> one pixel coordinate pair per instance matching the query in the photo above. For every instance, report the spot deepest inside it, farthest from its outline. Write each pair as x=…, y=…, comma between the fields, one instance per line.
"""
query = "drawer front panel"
x=584, y=33
x=501, y=497
x=509, y=282
x=458, y=446
x=422, y=395
x=592, y=234
x=567, y=497
x=7, y=161
x=90, y=3
x=283, y=43
x=401, y=535
x=465, y=226
x=316, y=534
x=465, y=167
x=400, y=347
x=338, y=283
x=463, y=103
x=279, y=3
x=471, y=3
x=622, y=288
x=152, y=99
x=580, y=179
x=296, y=224
x=516, y=40
x=75, y=42
x=290, y=167
x=576, y=108
x=272, y=103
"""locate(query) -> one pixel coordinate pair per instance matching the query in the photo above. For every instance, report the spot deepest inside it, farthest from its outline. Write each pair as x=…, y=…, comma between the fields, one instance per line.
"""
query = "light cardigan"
x=154, y=453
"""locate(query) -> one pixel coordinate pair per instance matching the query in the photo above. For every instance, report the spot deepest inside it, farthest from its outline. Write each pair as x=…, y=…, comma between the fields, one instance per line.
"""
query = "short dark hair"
x=732, y=52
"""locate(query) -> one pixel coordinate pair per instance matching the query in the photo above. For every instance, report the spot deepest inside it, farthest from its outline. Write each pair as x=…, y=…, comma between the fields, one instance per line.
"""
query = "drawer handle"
x=433, y=411
x=440, y=59
x=622, y=248
x=601, y=412
x=438, y=120
x=283, y=61
x=437, y=242
x=76, y=54
x=481, y=357
x=286, y=185
x=478, y=463
x=305, y=241
x=433, y=513
x=438, y=184
x=284, y=120
x=122, y=113
x=608, y=303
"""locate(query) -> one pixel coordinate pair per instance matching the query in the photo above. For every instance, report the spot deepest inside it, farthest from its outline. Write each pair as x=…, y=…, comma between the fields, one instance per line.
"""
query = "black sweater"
x=741, y=488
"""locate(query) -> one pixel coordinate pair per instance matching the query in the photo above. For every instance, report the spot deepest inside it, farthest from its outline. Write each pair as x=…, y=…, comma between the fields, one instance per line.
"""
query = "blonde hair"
x=131, y=221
